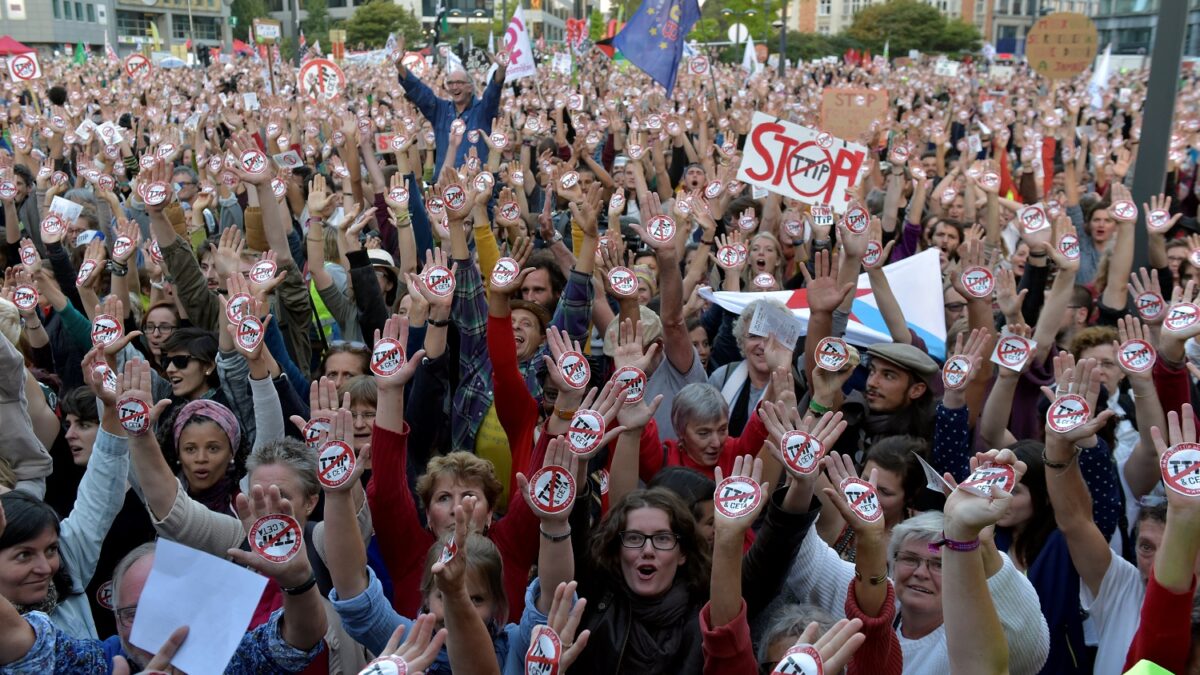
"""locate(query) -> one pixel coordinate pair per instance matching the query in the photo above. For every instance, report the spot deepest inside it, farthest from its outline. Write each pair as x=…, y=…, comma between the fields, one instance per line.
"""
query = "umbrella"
x=11, y=46
x=172, y=62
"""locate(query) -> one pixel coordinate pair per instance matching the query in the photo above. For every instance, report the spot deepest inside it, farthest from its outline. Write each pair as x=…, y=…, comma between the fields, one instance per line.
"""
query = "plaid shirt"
x=474, y=395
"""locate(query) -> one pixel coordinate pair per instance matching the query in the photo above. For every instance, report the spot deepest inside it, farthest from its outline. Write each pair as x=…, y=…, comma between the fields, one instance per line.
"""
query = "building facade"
x=1129, y=25
x=829, y=17
x=204, y=22
x=49, y=24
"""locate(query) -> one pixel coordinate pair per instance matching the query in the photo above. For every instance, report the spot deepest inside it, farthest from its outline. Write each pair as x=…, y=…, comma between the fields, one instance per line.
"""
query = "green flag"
x=80, y=54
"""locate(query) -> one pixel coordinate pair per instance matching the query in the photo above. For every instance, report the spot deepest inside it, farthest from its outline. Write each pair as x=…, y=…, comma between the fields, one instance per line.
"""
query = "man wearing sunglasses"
x=476, y=113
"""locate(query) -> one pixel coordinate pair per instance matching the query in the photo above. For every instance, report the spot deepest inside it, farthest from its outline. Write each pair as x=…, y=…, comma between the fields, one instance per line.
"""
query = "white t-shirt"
x=667, y=381
x=1113, y=614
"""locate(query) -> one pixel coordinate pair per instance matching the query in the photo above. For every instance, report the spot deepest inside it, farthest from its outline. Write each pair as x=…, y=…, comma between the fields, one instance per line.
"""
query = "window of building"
x=825, y=7
x=91, y=13
x=204, y=27
x=57, y=9
x=79, y=11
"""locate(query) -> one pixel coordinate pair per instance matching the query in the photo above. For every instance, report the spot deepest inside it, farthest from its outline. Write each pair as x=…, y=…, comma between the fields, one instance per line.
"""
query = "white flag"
x=491, y=42
x=1099, y=82
x=750, y=62
x=520, y=51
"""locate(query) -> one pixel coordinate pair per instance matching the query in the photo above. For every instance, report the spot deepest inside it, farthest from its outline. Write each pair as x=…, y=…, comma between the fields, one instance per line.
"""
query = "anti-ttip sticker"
x=1181, y=468
x=956, y=372
x=1136, y=356
x=801, y=451
x=1067, y=412
x=832, y=354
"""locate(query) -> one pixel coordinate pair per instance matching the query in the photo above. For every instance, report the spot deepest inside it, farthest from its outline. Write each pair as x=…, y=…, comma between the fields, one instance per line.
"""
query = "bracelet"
x=439, y=323
x=302, y=588
x=567, y=415
x=316, y=240
x=1037, y=254
x=1060, y=465
x=706, y=243
x=874, y=581
x=116, y=269
x=961, y=546
x=817, y=407
x=555, y=538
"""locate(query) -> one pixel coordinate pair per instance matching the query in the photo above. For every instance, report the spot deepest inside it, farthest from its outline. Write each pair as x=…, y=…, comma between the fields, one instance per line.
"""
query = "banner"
x=800, y=163
x=520, y=51
x=850, y=112
x=923, y=312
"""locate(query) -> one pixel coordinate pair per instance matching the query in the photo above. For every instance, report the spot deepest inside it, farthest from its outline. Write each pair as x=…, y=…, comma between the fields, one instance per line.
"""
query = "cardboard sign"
x=545, y=652
x=832, y=354
x=990, y=476
x=321, y=80
x=575, y=369
x=737, y=496
x=1136, y=355
x=850, y=113
x=1012, y=351
x=134, y=415
x=1181, y=317
x=785, y=158
x=862, y=498
x=335, y=464
x=585, y=431
x=106, y=329
x=1067, y=412
x=801, y=452
x=944, y=68
x=277, y=537
x=1181, y=468
x=387, y=357
x=623, y=281
x=635, y=383
x=24, y=67
x=956, y=372
x=1061, y=45
x=315, y=431
x=552, y=489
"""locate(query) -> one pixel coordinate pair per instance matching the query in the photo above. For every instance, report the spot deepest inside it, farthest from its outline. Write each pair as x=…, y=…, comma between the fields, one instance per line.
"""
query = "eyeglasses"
x=955, y=306
x=348, y=346
x=126, y=615
x=164, y=328
x=662, y=541
x=367, y=417
x=911, y=562
x=180, y=361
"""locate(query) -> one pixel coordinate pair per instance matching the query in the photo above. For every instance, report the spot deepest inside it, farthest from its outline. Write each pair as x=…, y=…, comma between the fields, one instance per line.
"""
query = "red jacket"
x=880, y=654
x=655, y=456
x=727, y=649
x=515, y=407
x=1164, y=636
x=404, y=543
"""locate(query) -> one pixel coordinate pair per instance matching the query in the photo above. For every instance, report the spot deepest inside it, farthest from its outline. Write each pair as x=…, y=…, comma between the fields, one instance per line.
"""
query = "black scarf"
x=659, y=626
x=219, y=497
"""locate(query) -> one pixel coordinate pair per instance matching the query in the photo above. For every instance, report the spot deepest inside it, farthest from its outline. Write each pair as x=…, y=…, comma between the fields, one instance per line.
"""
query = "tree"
x=316, y=26
x=905, y=24
x=597, y=25
x=714, y=24
x=246, y=11
x=373, y=22
x=959, y=36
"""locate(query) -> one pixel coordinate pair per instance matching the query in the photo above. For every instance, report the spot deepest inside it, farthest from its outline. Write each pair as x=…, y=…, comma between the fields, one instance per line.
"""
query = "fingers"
x=167, y=652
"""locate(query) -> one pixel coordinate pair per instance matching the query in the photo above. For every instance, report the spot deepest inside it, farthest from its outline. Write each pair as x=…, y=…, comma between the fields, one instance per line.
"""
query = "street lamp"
x=781, y=24
x=729, y=13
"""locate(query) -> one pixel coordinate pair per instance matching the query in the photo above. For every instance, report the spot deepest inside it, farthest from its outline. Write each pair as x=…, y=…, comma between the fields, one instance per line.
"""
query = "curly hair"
x=465, y=467
x=606, y=541
x=1092, y=336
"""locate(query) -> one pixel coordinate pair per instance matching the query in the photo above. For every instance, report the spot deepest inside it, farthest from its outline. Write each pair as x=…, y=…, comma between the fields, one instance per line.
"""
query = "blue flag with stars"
x=653, y=38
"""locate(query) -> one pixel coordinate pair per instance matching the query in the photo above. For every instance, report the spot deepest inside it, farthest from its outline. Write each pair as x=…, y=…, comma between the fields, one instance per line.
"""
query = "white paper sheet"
x=213, y=597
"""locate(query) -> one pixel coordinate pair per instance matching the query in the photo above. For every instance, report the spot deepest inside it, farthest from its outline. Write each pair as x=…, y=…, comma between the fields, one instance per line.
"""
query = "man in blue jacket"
x=476, y=113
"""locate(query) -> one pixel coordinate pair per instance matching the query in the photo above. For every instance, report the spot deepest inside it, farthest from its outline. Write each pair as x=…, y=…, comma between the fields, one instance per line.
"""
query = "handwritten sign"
x=1061, y=45
x=849, y=113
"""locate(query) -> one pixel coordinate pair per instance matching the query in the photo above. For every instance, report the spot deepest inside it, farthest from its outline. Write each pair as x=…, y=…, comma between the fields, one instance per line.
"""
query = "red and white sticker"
x=575, y=369
x=449, y=550
x=107, y=376
x=435, y=206
x=156, y=193
x=454, y=197
x=862, y=498
x=249, y=332
x=956, y=371
x=1069, y=246
x=832, y=354
x=1033, y=218
x=134, y=415
x=1181, y=316
x=873, y=255
x=29, y=255
x=794, y=228
x=990, y=476
x=137, y=65
x=623, y=281
x=1181, y=468
x=505, y=272
x=635, y=383
x=335, y=464
x=552, y=489
x=713, y=189
x=1067, y=412
x=263, y=271
x=857, y=219
x=315, y=431
x=978, y=281
x=386, y=665
x=1124, y=210
x=698, y=64
x=617, y=202
x=989, y=180
x=499, y=140
x=276, y=537
x=236, y=307
x=104, y=594
x=800, y=660
x=801, y=451
x=52, y=225
x=439, y=280
x=106, y=329
x=8, y=190
x=122, y=246
x=746, y=223
x=1158, y=219
x=544, y=653
x=569, y=180
x=387, y=357
x=398, y=194
x=60, y=178
x=1149, y=305
x=736, y=496
x=661, y=228
x=727, y=257
x=278, y=188
x=822, y=215
x=1012, y=351
x=85, y=271
x=1136, y=355
x=25, y=297
x=1194, y=257
x=510, y=210
x=484, y=182
x=585, y=431
x=764, y=281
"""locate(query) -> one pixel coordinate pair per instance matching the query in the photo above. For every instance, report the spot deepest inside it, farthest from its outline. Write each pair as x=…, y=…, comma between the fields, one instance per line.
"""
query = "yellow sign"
x=1061, y=45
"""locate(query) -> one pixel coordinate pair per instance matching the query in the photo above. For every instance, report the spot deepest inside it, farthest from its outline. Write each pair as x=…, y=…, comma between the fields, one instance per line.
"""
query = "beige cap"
x=651, y=327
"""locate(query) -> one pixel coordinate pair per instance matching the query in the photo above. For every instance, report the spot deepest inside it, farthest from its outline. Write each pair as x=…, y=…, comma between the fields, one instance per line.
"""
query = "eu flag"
x=653, y=38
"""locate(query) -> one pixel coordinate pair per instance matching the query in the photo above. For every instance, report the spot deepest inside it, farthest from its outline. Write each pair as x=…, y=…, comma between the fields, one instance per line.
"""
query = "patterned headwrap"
x=219, y=414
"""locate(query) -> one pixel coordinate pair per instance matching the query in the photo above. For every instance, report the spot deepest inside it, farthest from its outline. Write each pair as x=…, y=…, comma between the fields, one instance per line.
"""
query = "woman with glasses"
x=158, y=325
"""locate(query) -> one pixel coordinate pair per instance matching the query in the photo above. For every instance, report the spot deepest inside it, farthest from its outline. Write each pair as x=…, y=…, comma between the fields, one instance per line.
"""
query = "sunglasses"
x=180, y=361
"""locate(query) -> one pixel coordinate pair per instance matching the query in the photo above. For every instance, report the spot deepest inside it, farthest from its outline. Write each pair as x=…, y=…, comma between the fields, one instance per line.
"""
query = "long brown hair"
x=606, y=542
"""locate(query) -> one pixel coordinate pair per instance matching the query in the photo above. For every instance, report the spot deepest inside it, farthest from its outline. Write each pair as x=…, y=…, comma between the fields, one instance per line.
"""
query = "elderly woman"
x=743, y=383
